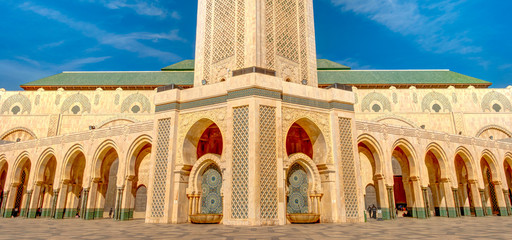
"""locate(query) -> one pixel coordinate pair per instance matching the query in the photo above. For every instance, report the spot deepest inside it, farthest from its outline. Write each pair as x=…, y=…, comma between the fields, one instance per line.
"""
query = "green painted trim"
x=386, y=215
x=420, y=213
x=452, y=212
x=89, y=215
x=125, y=214
x=466, y=211
x=22, y=213
x=59, y=213
x=489, y=211
x=255, y=92
x=32, y=213
x=8, y=212
x=45, y=212
x=443, y=212
x=479, y=212
x=98, y=213
x=503, y=211
x=131, y=213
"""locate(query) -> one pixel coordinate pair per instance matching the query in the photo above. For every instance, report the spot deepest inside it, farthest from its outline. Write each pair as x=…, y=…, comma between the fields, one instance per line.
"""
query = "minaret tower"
x=275, y=36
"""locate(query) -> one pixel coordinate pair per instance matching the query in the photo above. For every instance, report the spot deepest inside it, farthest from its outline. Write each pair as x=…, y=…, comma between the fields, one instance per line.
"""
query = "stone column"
x=33, y=203
x=60, y=200
x=427, y=203
x=26, y=206
x=11, y=200
x=456, y=201
x=448, y=201
x=419, y=206
x=382, y=193
x=91, y=201
x=477, y=198
x=127, y=200
x=117, y=206
x=4, y=203
x=83, y=208
x=54, y=204
x=506, y=194
x=391, y=201
x=500, y=198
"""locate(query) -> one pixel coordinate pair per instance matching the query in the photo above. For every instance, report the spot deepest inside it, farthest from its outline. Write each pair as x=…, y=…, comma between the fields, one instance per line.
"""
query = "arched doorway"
x=467, y=187
x=71, y=202
x=508, y=175
x=204, y=193
x=104, y=201
x=440, y=196
x=21, y=195
x=136, y=181
x=489, y=196
x=3, y=179
x=407, y=190
x=139, y=210
x=43, y=190
x=370, y=197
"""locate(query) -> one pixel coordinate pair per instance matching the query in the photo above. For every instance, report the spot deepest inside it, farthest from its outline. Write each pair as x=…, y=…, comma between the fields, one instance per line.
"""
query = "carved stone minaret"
x=273, y=36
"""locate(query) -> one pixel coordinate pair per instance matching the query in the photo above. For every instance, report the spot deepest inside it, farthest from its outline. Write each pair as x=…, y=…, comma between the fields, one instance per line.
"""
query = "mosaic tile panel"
x=161, y=159
x=268, y=163
x=211, y=184
x=366, y=104
x=435, y=96
x=73, y=100
x=297, y=190
x=17, y=100
x=492, y=97
x=286, y=28
x=240, y=186
x=136, y=98
x=348, y=168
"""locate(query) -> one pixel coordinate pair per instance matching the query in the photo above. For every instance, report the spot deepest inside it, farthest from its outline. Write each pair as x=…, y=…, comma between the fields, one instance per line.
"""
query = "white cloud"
x=141, y=7
x=423, y=21
x=505, y=67
x=12, y=72
x=354, y=64
x=51, y=45
x=129, y=42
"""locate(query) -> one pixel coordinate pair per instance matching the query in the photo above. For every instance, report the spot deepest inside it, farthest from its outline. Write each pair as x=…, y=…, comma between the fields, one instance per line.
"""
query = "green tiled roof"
x=186, y=65
x=115, y=79
x=398, y=77
x=324, y=64
x=329, y=73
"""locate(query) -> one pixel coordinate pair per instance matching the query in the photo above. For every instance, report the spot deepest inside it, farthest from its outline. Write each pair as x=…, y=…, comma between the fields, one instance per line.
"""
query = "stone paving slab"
x=402, y=228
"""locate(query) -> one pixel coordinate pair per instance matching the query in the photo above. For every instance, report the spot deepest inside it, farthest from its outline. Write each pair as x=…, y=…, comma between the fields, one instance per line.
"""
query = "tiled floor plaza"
x=402, y=228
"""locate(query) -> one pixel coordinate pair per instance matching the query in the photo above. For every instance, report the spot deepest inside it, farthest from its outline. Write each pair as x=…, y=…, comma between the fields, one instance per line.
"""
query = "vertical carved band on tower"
x=160, y=176
x=348, y=168
x=268, y=163
x=240, y=186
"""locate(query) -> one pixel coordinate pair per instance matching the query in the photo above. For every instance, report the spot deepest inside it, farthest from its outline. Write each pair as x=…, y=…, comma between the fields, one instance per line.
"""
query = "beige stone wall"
x=50, y=113
x=469, y=112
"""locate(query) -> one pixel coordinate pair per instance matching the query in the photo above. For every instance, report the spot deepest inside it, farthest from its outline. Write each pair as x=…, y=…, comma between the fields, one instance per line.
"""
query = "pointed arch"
x=375, y=149
x=139, y=145
x=410, y=153
x=22, y=159
x=315, y=183
x=441, y=157
x=199, y=167
x=69, y=159
x=316, y=137
x=43, y=160
x=104, y=150
x=191, y=140
x=468, y=160
x=491, y=160
x=23, y=133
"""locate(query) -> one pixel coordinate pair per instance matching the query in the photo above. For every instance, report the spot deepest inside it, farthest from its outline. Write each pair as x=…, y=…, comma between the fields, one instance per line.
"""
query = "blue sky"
x=42, y=38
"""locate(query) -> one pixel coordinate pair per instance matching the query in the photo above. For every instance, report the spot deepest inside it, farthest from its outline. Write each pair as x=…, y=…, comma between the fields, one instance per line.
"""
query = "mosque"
x=255, y=131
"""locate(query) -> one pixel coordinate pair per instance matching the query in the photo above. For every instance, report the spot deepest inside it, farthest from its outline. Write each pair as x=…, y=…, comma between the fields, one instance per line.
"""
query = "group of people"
x=372, y=211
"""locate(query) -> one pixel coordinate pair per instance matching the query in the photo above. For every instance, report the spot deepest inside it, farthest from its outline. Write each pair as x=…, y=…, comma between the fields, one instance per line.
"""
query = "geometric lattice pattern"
x=287, y=29
x=438, y=97
x=375, y=97
x=269, y=36
x=224, y=29
x=268, y=163
x=348, y=168
x=240, y=191
x=208, y=40
x=298, y=190
x=492, y=192
x=240, y=34
x=493, y=96
x=17, y=100
x=74, y=99
x=160, y=176
x=211, y=199
x=303, y=42
x=138, y=98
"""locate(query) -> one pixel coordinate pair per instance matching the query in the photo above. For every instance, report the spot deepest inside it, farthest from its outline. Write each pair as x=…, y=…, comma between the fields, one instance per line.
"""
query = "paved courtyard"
x=435, y=228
